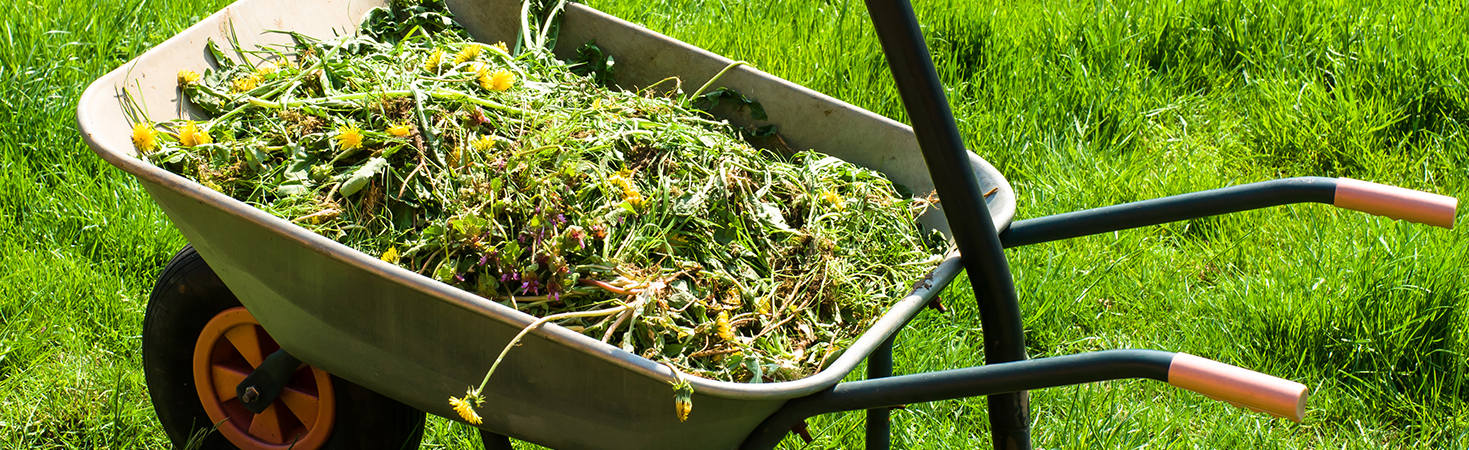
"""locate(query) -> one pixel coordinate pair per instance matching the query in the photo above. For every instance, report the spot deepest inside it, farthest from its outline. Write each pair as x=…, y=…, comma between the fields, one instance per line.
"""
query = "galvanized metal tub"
x=417, y=340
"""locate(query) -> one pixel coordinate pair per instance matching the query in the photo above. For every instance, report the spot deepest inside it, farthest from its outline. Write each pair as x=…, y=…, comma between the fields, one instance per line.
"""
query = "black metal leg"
x=494, y=441
x=948, y=165
x=879, y=426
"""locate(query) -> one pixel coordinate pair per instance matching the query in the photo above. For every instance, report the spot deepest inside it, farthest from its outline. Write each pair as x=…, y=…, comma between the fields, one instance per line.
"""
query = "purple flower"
x=577, y=233
x=531, y=288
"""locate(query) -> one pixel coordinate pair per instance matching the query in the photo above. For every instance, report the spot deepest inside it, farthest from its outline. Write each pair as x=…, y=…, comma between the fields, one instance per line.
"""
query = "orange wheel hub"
x=230, y=347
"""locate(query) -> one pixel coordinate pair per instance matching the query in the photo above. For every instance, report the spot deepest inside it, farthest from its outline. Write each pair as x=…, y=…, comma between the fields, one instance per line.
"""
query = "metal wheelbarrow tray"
x=418, y=341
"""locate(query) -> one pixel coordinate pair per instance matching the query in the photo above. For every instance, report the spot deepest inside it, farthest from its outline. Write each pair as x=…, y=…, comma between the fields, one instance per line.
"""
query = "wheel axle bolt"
x=250, y=394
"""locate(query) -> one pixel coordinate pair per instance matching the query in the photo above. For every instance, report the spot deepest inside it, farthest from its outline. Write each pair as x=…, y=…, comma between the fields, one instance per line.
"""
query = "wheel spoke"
x=266, y=426
x=225, y=380
x=302, y=404
x=246, y=340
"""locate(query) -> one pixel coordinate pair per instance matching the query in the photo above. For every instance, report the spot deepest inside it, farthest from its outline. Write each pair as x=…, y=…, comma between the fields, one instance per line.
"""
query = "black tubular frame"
x=948, y=165
x=991, y=379
x=1007, y=374
x=1169, y=209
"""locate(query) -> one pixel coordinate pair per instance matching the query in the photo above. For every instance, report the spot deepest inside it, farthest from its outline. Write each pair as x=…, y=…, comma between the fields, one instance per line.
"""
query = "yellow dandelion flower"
x=266, y=68
x=622, y=179
x=190, y=135
x=465, y=409
x=144, y=138
x=349, y=137
x=484, y=79
x=434, y=60
x=498, y=80
x=721, y=324
x=501, y=47
x=246, y=83
x=635, y=199
x=831, y=198
x=188, y=77
x=399, y=130
x=469, y=52
x=390, y=256
x=482, y=144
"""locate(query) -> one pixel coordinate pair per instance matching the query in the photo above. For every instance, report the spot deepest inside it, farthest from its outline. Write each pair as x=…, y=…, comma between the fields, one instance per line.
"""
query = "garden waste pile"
x=630, y=217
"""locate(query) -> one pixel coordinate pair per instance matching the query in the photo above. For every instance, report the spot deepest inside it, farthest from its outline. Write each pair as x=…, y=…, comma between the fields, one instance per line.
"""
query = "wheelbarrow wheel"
x=199, y=342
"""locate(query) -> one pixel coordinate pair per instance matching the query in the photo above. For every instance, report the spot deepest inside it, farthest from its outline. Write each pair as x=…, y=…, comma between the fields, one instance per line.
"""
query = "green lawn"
x=1080, y=104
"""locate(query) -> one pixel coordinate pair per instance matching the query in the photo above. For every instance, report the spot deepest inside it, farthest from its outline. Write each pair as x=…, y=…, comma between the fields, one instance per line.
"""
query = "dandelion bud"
x=721, y=325
x=683, y=400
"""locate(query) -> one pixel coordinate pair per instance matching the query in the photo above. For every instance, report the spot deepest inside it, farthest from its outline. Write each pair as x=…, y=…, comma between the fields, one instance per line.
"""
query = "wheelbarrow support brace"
x=948, y=162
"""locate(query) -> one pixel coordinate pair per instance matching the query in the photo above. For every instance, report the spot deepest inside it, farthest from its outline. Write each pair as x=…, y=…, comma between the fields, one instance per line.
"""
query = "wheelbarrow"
x=277, y=337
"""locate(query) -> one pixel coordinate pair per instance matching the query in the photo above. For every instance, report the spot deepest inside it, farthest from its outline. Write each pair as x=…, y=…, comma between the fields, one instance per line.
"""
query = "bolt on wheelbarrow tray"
x=417, y=340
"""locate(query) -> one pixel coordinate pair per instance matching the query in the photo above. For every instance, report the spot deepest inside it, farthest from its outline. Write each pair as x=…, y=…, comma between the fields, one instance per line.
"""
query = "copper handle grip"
x=1396, y=202
x=1239, y=386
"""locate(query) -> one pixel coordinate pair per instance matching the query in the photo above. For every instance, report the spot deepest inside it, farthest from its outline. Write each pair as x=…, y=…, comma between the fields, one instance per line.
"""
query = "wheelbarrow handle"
x=1239, y=386
x=1373, y=198
x=1236, y=385
x=1395, y=202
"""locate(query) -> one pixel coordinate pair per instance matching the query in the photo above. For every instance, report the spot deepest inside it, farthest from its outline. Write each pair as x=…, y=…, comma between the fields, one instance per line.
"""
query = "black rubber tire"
x=187, y=295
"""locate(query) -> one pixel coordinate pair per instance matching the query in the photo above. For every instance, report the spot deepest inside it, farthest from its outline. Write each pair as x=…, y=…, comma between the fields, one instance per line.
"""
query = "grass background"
x=1081, y=104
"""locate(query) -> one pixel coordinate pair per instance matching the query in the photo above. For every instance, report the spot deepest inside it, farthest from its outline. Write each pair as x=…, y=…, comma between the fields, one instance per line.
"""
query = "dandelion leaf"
x=363, y=175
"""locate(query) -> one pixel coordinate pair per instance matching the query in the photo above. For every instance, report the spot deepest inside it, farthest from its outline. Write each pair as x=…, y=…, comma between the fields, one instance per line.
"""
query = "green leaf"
x=296, y=179
x=362, y=175
x=468, y=226
x=445, y=271
x=770, y=215
x=711, y=99
x=752, y=364
x=592, y=61
x=220, y=59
